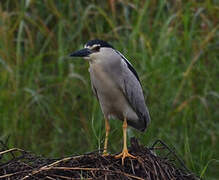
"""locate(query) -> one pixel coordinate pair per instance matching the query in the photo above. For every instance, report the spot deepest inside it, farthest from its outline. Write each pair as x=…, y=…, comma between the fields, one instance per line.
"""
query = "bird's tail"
x=142, y=123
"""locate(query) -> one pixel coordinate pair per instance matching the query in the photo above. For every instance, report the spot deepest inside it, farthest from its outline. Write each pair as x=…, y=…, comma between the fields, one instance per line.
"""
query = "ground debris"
x=149, y=164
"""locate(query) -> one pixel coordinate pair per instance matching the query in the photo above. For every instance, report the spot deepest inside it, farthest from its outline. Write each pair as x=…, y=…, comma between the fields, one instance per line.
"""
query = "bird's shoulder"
x=127, y=66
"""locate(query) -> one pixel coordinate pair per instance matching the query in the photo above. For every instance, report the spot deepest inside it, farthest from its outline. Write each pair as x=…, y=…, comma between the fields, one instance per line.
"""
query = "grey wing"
x=94, y=90
x=134, y=94
x=92, y=85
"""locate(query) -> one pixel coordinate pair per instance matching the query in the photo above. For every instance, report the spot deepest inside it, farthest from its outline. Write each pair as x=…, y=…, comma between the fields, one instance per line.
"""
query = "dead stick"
x=92, y=169
x=50, y=165
x=10, y=150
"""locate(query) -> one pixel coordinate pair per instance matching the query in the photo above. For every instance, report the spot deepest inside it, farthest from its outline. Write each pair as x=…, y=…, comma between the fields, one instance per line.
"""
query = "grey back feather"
x=134, y=93
x=126, y=78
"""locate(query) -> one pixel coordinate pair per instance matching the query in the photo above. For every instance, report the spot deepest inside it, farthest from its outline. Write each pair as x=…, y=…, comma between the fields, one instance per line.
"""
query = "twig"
x=11, y=150
x=50, y=165
x=172, y=152
x=92, y=169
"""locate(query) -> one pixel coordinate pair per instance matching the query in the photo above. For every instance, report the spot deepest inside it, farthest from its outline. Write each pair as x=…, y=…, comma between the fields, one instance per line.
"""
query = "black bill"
x=81, y=53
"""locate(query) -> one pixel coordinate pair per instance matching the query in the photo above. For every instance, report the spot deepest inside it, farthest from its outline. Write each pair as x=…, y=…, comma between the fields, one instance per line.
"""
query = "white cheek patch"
x=85, y=46
x=92, y=47
x=95, y=45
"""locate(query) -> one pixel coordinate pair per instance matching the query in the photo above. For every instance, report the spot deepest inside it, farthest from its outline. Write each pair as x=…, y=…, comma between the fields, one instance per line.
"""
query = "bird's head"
x=93, y=50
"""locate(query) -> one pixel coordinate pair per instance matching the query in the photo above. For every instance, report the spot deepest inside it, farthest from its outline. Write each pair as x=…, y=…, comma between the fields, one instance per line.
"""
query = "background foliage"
x=46, y=105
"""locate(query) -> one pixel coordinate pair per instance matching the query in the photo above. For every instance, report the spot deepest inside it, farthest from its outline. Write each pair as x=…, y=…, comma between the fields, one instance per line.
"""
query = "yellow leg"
x=125, y=152
x=106, y=137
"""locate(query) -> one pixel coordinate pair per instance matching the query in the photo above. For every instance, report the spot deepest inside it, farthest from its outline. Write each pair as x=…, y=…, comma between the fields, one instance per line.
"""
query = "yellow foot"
x=105, y=154
x=123, y=155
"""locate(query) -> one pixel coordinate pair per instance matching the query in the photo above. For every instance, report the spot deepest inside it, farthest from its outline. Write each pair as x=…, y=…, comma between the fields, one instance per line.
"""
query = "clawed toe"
x=123, y=155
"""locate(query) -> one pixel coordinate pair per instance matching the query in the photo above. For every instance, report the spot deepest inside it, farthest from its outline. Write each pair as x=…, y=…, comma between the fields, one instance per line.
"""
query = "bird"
x=117, y=87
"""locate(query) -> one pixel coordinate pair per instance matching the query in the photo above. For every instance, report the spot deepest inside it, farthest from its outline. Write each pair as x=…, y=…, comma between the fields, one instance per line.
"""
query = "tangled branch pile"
x=24, y=165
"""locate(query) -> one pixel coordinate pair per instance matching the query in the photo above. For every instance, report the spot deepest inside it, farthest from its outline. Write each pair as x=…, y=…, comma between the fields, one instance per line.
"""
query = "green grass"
x=46, y=103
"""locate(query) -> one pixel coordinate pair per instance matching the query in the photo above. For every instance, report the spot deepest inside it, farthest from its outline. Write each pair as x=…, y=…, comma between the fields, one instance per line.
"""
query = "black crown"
x=100, y=42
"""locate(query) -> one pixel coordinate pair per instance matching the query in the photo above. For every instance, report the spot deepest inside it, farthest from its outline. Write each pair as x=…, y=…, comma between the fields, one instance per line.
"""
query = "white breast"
x=112, y=100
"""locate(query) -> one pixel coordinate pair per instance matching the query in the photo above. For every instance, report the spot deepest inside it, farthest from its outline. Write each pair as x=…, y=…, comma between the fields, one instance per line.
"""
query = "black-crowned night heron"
x=117, y=87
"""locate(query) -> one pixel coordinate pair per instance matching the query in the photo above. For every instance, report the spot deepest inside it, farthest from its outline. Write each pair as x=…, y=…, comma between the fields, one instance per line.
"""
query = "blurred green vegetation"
x=46, y=103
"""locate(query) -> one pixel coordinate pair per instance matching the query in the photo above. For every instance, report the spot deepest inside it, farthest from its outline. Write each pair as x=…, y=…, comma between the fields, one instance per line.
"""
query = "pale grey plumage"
x=118, y=90
x=116, y=85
